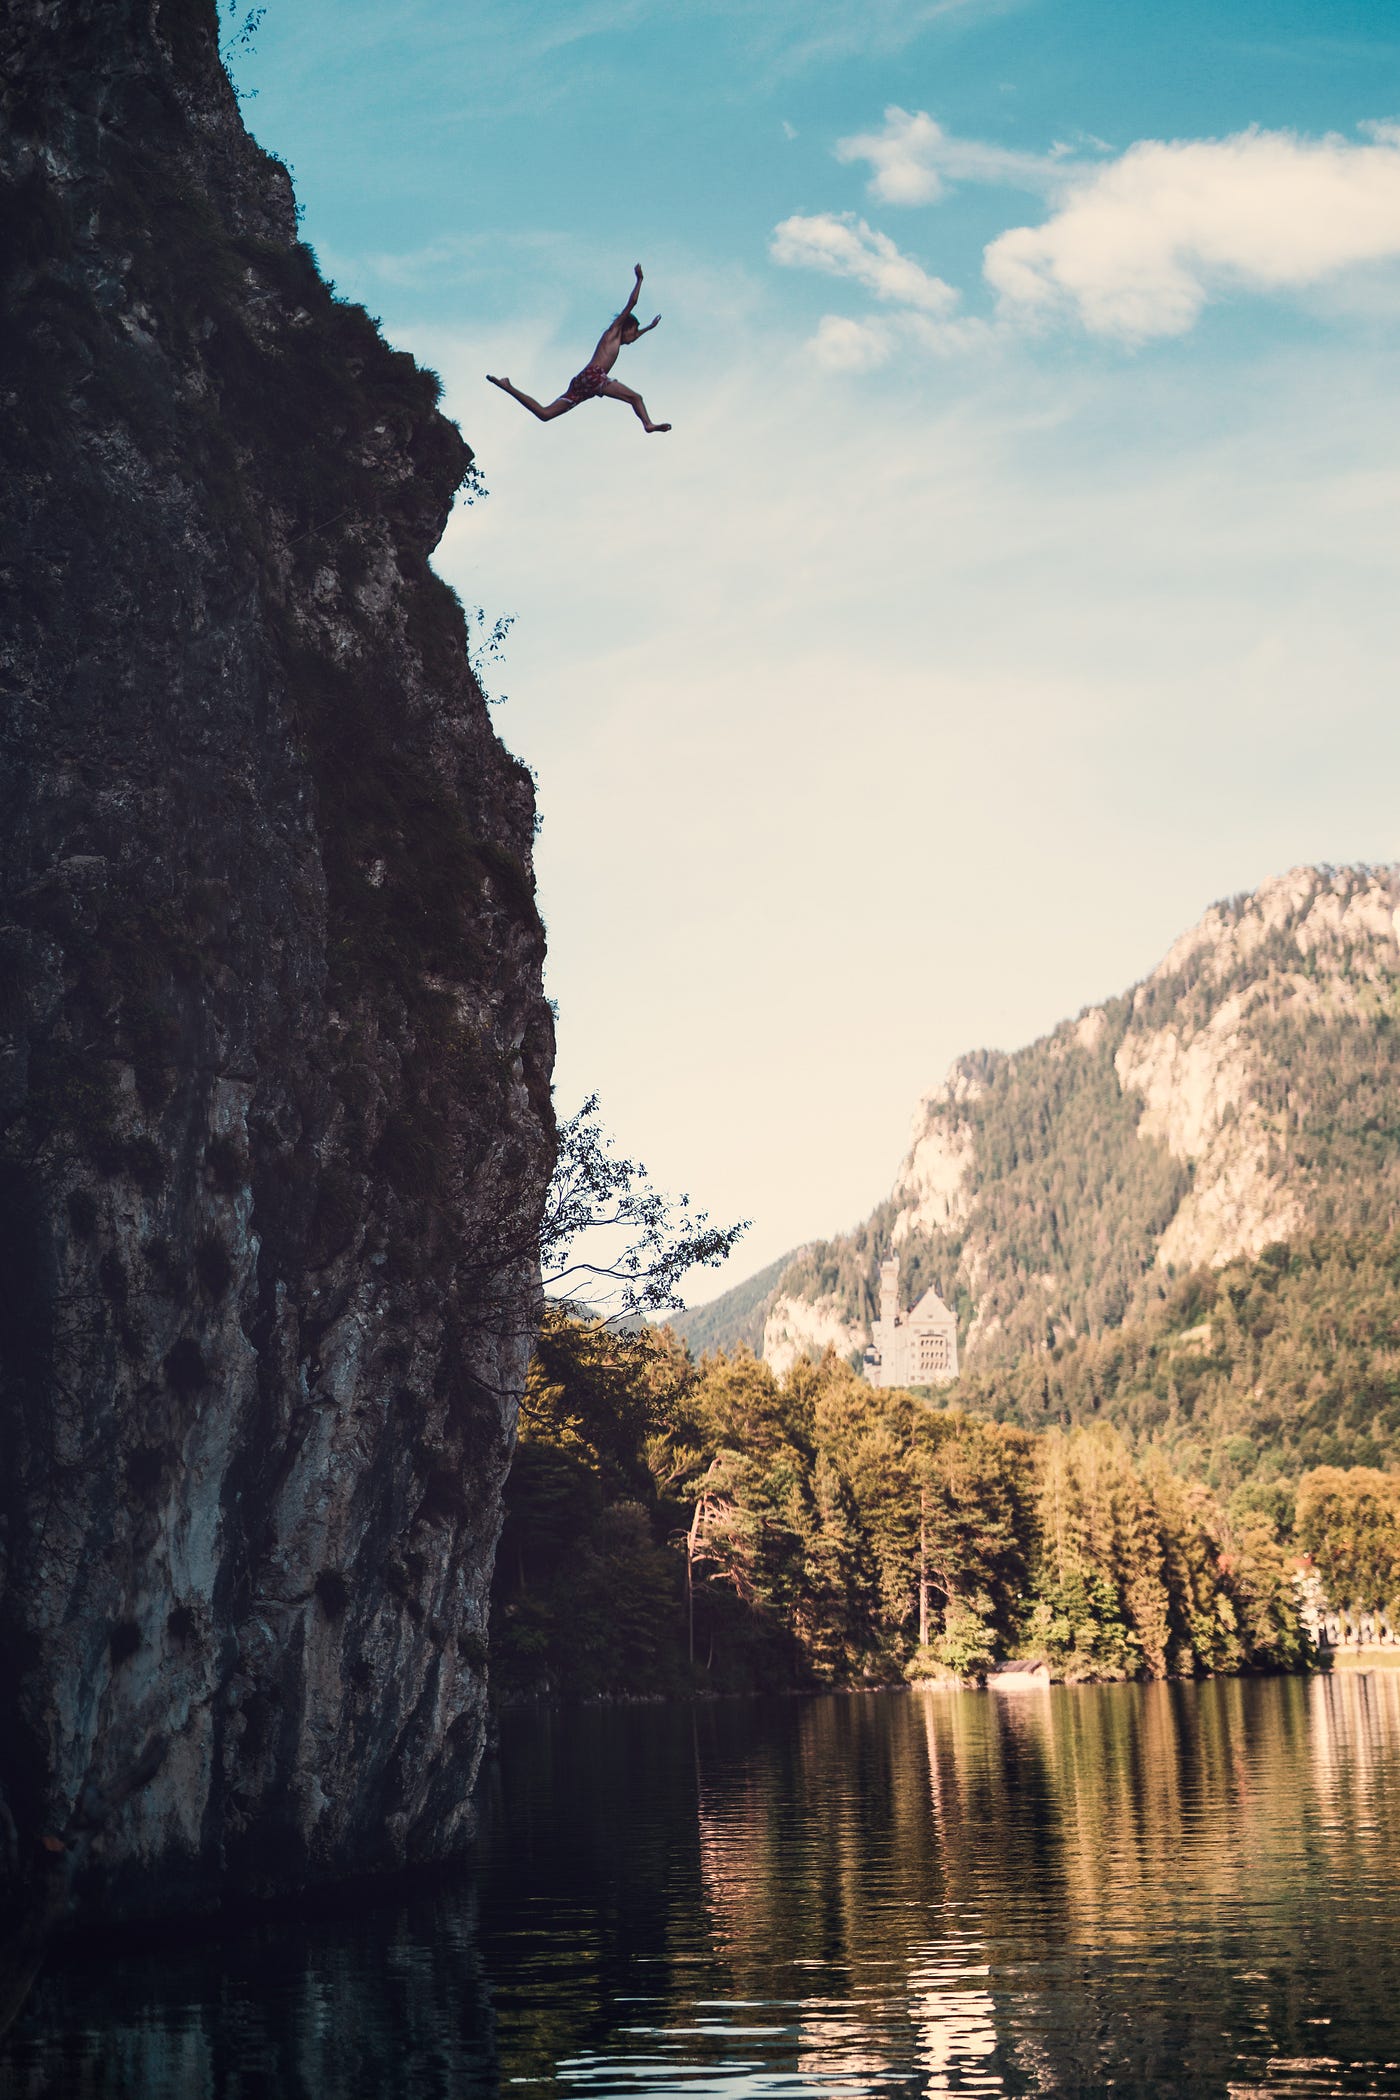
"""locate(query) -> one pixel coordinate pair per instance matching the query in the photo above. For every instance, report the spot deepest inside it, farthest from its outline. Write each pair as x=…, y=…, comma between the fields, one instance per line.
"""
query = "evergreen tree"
x=672, y=1525
x=1349, y=1521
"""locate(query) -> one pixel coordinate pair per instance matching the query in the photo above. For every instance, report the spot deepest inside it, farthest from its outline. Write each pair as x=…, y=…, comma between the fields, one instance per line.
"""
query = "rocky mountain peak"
x=1227, y=1101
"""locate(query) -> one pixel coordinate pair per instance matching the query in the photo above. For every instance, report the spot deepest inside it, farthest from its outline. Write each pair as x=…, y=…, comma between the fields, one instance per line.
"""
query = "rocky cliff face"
x=1247, y=1092
x=796, y=1326
x=275, y=1083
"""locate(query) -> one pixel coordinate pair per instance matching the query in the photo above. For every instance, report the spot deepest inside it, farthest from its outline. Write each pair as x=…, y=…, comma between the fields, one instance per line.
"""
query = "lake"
x=1137, y=1889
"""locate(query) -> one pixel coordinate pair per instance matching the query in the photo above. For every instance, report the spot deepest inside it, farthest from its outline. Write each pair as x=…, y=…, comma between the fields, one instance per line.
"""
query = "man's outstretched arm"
x=636, y=289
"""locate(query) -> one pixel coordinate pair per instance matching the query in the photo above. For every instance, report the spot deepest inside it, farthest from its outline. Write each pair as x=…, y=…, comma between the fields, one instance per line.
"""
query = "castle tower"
x=889, y=1292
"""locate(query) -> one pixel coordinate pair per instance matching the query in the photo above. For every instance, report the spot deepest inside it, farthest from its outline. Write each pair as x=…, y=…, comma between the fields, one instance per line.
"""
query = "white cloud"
x=794, y=35
x=455, y=256
x=924, y=308
x=912, y=155
x=843, y=345
x=951, y=337
x=846, y=247
x=903, y=156
x=1137, y=248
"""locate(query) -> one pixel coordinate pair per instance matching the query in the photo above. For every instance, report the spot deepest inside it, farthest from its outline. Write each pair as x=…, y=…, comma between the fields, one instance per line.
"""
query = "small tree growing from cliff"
x=486, y=646
x=238, y=39
x=608, y=1236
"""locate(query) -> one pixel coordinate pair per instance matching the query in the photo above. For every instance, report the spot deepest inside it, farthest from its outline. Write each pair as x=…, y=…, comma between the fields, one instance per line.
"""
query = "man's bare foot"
x=652, y=428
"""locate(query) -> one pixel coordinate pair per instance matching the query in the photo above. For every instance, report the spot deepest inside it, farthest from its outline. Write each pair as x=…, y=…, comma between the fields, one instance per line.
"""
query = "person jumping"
x=593, y=379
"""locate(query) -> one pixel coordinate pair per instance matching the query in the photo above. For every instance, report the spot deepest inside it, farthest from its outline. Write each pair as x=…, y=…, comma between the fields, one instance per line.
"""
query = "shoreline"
x=1371, y=1657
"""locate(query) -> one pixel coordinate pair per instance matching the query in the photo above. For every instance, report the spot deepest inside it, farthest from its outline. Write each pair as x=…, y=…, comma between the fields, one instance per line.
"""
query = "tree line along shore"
x=674, y=1527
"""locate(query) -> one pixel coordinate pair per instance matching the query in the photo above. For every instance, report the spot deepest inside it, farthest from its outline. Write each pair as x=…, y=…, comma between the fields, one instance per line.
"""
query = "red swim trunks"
x=585, y=384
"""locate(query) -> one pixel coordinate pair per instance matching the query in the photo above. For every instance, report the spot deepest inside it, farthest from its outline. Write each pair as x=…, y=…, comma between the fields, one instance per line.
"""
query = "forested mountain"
x=1246, y=1093
x=1245, y=1376
x=738, y=1315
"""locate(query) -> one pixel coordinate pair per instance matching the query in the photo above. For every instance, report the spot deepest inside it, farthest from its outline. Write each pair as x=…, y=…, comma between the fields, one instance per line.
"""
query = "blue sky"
x=1020, y=574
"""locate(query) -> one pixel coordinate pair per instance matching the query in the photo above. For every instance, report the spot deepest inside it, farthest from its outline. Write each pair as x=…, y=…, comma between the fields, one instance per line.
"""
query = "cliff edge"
x=275, y=1122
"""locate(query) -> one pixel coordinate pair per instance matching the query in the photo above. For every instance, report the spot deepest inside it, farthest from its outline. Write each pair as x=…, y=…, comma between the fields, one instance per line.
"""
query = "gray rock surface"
x=274, y=1079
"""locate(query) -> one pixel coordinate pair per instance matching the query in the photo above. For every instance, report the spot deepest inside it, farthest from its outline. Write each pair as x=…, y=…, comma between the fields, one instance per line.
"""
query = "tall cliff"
x=1246, y=1092
x=275, y=1083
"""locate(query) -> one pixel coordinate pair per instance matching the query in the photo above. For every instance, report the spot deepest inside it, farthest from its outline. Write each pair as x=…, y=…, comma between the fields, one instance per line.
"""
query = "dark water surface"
x=1166, y=1889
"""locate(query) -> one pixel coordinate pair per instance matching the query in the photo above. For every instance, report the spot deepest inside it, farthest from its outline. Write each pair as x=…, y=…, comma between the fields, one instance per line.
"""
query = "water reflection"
x=1166, y=1889
x=392, y=2002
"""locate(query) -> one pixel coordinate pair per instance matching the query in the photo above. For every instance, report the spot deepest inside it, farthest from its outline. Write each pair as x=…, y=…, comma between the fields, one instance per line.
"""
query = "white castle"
x=916, y=1348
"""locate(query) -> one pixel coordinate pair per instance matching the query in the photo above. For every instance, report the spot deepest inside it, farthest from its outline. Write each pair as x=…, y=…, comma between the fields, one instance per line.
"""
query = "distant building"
x=1331, y=1627
x=914, y=1348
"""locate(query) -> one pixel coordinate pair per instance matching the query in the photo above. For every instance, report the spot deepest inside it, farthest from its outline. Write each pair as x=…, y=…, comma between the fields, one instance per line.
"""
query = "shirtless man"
x=593, y=379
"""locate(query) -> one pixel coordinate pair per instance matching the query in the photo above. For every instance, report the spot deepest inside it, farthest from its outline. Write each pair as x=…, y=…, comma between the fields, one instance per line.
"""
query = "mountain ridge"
x=736, y=1315
x=1246, y=1091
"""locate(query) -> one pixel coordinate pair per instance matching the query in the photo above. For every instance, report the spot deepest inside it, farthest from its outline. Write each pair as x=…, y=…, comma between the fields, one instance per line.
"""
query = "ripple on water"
x=1151, y=1890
